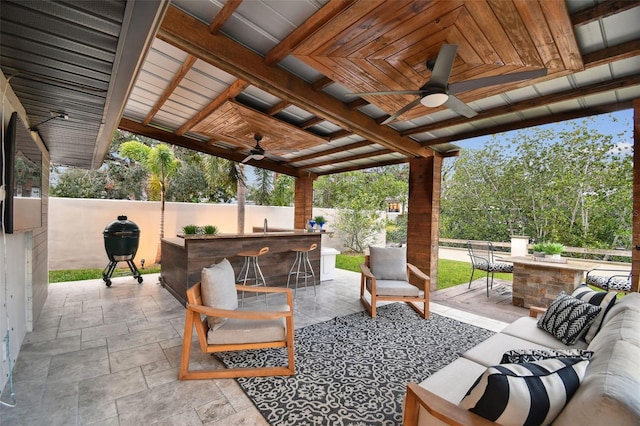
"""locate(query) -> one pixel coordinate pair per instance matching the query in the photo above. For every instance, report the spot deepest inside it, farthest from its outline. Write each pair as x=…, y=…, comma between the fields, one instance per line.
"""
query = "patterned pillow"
x=525, y=394
x=604, y=299
x=519, y=356
x=568, y=318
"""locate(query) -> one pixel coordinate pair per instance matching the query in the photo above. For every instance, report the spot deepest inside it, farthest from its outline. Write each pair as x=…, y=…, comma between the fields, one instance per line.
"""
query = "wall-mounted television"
x=22, y=171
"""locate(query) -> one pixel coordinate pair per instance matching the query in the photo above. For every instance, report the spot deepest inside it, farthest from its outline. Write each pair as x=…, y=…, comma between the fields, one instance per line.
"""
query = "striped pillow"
x=525, y=394
x=604, y=299
x=568, y=318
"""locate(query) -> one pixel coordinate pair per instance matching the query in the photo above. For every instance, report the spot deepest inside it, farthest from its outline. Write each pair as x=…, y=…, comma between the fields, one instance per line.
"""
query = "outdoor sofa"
x=609, y=392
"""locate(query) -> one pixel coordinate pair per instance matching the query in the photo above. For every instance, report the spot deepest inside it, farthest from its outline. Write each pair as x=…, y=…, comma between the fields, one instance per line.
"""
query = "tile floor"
x=110, y=356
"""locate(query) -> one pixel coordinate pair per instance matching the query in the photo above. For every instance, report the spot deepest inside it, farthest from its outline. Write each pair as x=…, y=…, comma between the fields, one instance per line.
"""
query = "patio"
x=106, y=356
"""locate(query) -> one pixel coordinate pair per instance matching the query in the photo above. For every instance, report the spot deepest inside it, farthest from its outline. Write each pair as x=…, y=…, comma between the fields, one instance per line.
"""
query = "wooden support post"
x=303, y=202
x=635, y=253
x=423, y=220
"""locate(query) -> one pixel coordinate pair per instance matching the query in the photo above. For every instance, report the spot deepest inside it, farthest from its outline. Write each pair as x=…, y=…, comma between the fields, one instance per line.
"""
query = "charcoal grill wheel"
x=139, y=280
x=107, y=282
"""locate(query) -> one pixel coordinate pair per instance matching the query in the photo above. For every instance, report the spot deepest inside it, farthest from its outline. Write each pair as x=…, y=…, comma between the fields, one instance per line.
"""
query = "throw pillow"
x=525, y=394
x=218, y=285
x=388, y=263
x=604, y=299
x=568, y=318
x=519, y=356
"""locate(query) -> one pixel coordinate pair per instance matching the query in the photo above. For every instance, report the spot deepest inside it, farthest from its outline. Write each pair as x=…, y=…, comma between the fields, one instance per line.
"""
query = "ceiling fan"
x=437, y=91
x=257, y=152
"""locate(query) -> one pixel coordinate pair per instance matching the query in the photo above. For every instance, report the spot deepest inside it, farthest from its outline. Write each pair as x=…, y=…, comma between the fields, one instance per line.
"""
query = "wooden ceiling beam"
x=277, y=108
x=531, y=103
x=612, y=54
x=602, y=10
x=310, y=26
x=346, y=159
x=339, y=134
x=223, y=16
x=230, y=93
x=175, y=81
x=360, y=102
x=187, y=33
x=517, y=125
x=185, y=142
x=311, y=122
x=335, y=150
x=321, y=83
x=359, y=167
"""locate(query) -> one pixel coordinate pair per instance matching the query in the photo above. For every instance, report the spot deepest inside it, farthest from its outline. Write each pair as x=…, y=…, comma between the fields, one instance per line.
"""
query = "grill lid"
x=121, y=228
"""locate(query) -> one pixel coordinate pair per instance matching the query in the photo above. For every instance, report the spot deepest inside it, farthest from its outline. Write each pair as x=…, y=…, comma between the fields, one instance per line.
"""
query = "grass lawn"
x=450, y=272
x=90, y=274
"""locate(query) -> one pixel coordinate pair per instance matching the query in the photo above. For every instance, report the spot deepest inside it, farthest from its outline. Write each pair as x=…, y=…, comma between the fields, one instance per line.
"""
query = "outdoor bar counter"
x=184, y=257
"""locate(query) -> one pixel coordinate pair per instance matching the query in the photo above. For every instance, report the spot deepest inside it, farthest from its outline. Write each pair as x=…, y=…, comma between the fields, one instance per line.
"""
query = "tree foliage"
x=573, y=186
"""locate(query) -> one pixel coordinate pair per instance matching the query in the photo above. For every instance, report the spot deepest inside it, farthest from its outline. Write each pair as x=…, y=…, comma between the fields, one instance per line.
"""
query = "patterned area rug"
x=354, y=370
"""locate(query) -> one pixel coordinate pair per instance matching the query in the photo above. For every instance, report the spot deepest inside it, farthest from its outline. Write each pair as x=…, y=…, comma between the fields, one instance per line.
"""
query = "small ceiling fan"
x=437, y=91
x=257, y=152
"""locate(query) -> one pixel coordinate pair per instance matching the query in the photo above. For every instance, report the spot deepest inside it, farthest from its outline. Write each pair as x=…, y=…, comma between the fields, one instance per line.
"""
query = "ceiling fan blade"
x=247, y=158
x=478, y=83
x=402, y=111
x=460, y=107
x=443, y=65
x=390, y=92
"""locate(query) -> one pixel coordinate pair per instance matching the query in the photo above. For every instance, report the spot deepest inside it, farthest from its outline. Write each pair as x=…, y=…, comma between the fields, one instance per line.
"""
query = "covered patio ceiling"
x=218, y=73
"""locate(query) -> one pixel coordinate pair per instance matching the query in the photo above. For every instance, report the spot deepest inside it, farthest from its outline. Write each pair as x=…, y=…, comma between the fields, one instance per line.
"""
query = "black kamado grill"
x=121, y=239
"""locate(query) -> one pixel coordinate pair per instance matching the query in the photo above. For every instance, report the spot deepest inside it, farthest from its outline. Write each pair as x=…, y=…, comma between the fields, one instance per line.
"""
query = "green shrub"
x=190, y=229
x=210, y=229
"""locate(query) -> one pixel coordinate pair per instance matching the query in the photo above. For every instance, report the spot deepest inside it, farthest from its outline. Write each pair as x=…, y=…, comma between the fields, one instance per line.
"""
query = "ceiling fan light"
x=434, y=99
x=258, y=156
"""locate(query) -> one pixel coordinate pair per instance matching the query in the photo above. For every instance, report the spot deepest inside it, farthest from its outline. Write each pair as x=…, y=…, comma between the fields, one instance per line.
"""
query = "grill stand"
x=111, y=267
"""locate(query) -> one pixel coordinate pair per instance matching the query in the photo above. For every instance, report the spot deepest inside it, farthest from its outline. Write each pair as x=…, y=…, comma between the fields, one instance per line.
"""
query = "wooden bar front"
x=184, y=258
x=538, y=283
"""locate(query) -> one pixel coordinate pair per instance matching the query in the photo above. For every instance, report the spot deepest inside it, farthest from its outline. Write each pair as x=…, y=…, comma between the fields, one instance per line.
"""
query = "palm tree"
x=161, y=163
x=225, y=173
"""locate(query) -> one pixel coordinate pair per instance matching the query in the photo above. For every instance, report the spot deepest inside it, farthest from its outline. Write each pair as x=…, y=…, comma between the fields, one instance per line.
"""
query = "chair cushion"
x=604, y=299
x=568, y=318
x=394, y=288
x=609, y=283
x=530, y=393
x=483, y=265
x=218, y=285
x=388, y=263
x=237, y=330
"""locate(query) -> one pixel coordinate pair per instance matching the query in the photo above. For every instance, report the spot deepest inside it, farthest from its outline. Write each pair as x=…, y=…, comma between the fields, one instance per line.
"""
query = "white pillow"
x=388, y=263
x=530, y=393
x=218, y=285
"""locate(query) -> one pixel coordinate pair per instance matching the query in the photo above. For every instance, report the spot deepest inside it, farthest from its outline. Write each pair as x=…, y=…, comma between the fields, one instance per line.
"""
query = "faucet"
x=266, y=226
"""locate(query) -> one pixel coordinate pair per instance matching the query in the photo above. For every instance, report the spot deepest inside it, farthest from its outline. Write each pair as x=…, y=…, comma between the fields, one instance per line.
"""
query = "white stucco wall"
x=76, y=225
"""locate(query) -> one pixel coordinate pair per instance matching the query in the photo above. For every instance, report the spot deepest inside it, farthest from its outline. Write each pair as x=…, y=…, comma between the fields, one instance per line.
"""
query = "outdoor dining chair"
x=602, y=278
x=482, y=258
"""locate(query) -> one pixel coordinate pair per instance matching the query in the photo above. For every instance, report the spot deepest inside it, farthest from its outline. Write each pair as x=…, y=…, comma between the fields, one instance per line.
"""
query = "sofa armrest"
x=534, y=311
x=439, y=408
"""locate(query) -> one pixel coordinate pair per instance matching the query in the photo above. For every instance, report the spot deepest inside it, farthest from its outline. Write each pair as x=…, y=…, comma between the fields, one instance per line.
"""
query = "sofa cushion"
x=630, y=301
x=388, y=263
x=604, y=299
x=239, y=330
x=527, y=328
x=490, y=351
x=518, y=356
x=454, y=380
x=568, y=318
x=525, y=394
x=218, y=286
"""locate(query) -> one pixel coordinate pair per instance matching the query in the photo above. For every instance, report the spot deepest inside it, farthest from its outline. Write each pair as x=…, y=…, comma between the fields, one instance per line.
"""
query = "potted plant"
x=538, y=250
x=553, y=250
x=190, y=230
x=210, y=230
x=320, y=221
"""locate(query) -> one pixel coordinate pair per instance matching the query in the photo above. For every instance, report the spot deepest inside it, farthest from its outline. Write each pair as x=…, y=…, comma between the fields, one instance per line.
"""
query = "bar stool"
x=251, y=264
x=302, y=268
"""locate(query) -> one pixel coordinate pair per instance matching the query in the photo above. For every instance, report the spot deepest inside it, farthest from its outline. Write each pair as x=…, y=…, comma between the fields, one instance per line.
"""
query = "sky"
x=620, y=122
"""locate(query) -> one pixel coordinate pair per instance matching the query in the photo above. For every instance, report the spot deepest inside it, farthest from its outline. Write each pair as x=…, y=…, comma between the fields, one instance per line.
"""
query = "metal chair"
x=481, y=254
x=302, y=268
x=251, y=270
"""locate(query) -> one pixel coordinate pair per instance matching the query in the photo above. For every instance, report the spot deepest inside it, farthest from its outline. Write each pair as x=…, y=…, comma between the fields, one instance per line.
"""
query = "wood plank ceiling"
x=295, y=92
